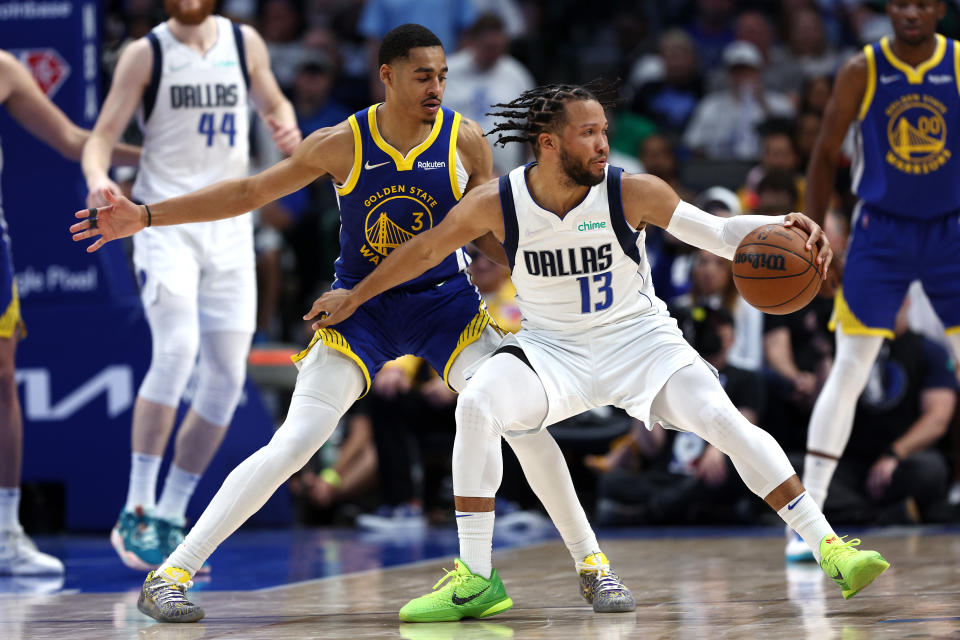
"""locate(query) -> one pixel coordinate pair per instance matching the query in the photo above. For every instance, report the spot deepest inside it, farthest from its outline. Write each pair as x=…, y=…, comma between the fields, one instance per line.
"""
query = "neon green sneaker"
x=850, y=568
x=465, y=596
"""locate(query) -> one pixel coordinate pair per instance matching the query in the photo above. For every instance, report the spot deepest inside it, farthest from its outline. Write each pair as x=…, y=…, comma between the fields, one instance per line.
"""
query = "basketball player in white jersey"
x=594, y=332
x=32, y=109
x=189, y=81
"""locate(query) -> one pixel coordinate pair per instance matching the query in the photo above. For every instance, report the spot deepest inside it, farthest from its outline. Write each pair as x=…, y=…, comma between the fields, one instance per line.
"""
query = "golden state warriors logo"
x=395, y=214
x=917, y=134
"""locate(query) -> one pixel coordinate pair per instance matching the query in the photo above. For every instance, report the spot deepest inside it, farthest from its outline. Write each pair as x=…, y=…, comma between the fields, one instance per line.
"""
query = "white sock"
x=817, y=473
x=9, y=508
x=583, y=548
x=475, y=529
x=142, y=491
x=803, y=515
x=177, y=490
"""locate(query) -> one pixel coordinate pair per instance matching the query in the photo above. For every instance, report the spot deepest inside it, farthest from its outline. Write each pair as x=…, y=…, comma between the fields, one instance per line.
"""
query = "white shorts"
x=217, y=270
x=624, y=364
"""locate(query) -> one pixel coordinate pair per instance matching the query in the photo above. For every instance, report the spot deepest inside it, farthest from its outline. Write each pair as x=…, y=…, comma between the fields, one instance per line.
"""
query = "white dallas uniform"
x=593, y=329
x=195, y=122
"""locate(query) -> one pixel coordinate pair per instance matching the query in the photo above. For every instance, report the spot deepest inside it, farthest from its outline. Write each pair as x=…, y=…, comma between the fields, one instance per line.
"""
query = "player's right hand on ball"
x=119, y=219
x=332, y=307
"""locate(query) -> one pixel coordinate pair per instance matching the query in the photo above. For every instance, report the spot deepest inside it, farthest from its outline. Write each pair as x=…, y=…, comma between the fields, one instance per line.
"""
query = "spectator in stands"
x=891, y=472
x=724, y=126
x=659, y=159
x=777, y=192
x=815, y=93
x=670, y=477
x=483, y=74
x=670, y=94
x=805, y=132
x=779, y=154
x=798, y=350
x=712, y=287
x=808, y=53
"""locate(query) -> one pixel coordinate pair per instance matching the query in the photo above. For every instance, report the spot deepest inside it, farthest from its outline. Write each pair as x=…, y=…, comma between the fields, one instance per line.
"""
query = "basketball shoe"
x=852, y=569
x=466, y=595
x=797, y=550
x=19, y=556
x=163, y=597
x=602, y=588
x=136, y=541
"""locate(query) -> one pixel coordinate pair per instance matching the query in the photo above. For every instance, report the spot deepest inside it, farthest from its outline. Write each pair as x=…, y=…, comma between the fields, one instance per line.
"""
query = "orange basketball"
x=774, y=271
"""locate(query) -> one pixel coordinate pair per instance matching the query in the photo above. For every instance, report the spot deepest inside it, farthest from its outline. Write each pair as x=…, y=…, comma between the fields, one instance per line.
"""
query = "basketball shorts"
x=887, y=253
x=225, y=292
x=11, y=323
x=435, y=324
x=624, y=364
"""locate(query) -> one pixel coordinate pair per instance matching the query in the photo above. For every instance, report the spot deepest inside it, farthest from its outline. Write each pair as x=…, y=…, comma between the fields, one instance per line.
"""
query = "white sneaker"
x=797, y=550
x=20, y=557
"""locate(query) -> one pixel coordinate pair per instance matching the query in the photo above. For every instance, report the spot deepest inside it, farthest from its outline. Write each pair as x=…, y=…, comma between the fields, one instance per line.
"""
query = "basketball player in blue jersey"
x=398, y=167
x=188, y=81
x=33, y=110
x=901, y=93
x=594, y=333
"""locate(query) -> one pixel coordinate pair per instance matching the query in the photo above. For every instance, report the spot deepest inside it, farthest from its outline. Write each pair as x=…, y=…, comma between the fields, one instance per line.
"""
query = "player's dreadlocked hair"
x=398, y=42
x=541, y=110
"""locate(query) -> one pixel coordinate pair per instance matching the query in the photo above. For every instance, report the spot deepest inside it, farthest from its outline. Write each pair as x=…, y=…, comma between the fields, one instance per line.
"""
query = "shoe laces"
x=843, y=547
x=167, y=592
x=607, y=580
x=456, y=581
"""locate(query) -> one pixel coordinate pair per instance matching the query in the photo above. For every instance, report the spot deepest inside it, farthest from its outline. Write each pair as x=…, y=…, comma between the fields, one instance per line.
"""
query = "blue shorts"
x=887, y=253
x=434, y=324
x=10, y=321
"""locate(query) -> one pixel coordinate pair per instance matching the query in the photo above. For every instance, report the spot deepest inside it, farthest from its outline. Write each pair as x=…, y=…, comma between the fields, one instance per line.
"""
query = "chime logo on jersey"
x=568, y=262
x=394, y=215
x=917, y=134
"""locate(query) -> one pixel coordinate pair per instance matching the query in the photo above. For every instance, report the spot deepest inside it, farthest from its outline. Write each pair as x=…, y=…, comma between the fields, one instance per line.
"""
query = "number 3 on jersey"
x=603, y=289
x=208, y=127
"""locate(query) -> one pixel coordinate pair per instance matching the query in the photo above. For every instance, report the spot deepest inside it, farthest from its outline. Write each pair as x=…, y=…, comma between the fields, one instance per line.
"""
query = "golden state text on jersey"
x=907, y=136
x=389, y=198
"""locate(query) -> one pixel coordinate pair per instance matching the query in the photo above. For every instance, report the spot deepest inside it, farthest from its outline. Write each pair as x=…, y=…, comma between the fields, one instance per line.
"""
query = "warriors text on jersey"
x=194, y=115
x=907, y=140
x=389, y=198
x=586, y=269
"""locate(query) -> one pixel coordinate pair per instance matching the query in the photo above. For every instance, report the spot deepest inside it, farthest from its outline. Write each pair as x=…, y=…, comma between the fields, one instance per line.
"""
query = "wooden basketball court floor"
x=686, y=587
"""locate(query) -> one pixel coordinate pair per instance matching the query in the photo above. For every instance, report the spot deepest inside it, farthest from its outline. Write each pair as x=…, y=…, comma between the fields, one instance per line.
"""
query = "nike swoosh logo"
x=889, y=79
x=791, y=506
x=458, y=601
x=374, y=166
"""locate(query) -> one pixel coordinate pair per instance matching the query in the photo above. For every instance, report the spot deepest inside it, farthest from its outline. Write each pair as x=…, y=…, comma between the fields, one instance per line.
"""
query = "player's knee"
x=302, y=433
x=475, y=412
x=725, y=427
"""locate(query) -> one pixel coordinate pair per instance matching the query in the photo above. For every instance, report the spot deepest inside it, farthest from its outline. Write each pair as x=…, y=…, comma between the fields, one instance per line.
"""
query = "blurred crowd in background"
x=723, y=100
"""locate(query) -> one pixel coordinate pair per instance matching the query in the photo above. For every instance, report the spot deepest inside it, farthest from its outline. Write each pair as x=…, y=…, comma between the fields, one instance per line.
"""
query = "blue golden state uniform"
x=10, y=322
x=387, y=199
x=907, y=176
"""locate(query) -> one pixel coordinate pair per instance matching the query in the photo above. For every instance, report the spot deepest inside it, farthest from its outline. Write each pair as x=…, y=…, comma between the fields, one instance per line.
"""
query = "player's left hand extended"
x=119, y=219
x=285, y=136
x=332, y=307
x=816, y=237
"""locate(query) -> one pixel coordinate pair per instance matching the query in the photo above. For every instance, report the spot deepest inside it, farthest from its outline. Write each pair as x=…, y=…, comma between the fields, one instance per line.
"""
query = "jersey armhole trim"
x=241, y=52
x=956, y=64
x=871, y=81
x=511, y=229
x=354, y=176
x=150, y=95
x=452, y=156
x=626, y=236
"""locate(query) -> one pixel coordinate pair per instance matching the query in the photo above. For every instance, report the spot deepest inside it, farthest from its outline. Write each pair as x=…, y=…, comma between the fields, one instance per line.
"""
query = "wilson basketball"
x=774, y=271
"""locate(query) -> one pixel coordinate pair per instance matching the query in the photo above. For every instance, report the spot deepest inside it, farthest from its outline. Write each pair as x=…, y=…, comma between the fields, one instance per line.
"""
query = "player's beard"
x=580, y=174
x=190, y=16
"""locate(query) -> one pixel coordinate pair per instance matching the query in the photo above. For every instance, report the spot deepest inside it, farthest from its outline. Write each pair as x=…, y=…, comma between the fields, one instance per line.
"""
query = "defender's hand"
x=119, y=219
x=332, y=307
x=817, y=237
